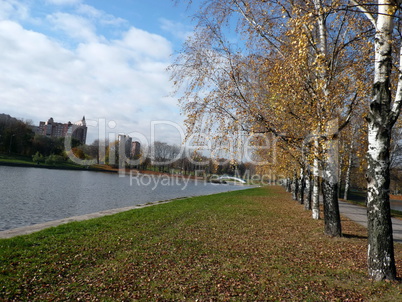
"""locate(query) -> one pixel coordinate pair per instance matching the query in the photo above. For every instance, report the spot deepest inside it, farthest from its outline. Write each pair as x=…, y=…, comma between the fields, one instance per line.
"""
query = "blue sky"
x=103, y=59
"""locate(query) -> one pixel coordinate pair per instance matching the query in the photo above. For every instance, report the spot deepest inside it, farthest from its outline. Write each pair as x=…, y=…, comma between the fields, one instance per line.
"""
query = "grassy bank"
x=26, y=161
x=255, y=244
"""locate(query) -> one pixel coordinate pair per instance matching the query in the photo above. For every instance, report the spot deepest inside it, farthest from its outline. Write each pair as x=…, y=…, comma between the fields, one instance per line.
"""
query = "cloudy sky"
x=103, y=59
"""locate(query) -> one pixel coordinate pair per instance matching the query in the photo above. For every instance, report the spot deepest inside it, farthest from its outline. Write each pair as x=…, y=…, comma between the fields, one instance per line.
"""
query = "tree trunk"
x=348, y=170
x=332, y=219
x=381, y=262
x=301, y=186
x=295, y=187
x=307, y=192
x=288, y=185
x=340, y=175
x=316, y=184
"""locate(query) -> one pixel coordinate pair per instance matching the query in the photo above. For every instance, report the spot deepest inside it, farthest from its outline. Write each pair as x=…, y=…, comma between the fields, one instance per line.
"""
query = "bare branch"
x=396, y=107
x=259, y=29
x=365, y=12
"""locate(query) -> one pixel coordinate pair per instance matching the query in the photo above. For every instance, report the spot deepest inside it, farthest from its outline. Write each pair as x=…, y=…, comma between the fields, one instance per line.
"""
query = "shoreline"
x=93, y=168
x=107, y=169
x=26, y=230
x=29, y=229
x=44, y=166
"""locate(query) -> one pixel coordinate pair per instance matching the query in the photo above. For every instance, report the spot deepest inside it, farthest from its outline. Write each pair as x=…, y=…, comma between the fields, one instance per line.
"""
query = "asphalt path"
x=359, y=214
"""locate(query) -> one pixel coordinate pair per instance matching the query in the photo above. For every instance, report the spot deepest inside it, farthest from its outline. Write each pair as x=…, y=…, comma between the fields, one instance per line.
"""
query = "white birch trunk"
x=340, y=178
x=341, y=167
x=381, y=262
x=301, y=186
x=288, y=185
x=332, y=219
x=348, y=170
x=307, y=192
x=316, y=183
x=322, y=38
x=295, y=187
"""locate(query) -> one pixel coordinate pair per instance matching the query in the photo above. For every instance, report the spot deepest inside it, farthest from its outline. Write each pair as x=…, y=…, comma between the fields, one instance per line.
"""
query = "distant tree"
x=164, y=155
x=48, y=145
x=146, y=164
x=112, y=154
x=15, y=136
x=38, y=158
x=78, y=152
x=54, y=159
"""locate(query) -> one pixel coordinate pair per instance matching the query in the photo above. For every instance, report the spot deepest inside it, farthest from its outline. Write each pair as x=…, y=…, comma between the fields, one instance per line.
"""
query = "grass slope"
x=248, y=245
x=26, y=161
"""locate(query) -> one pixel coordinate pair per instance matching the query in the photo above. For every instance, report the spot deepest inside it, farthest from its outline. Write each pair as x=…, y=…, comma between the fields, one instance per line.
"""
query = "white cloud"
x=143, y=43
x=100, y=16
x=64, y=2
x=123, y=80
x=177, y=29
x=76, y=27
x=13, y=9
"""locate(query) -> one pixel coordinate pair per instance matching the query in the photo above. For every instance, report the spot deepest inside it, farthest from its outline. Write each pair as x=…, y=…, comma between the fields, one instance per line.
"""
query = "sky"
x=102, y=59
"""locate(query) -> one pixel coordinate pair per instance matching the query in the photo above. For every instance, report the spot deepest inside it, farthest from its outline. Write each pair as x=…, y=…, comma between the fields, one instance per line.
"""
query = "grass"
x=26, y=161
x=254, y=244
x=15, y=159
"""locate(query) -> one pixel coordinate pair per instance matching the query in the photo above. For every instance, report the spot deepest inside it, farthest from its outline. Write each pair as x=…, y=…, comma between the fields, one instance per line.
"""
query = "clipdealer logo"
x=239, y=147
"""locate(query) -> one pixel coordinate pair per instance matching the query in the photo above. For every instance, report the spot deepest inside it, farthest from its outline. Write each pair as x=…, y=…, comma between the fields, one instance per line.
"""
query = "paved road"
x=359, y=215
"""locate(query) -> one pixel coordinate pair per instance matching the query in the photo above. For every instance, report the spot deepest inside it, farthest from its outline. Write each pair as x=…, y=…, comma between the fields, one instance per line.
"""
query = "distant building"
x=131, y=149
x=135, y=149
x=77, y=130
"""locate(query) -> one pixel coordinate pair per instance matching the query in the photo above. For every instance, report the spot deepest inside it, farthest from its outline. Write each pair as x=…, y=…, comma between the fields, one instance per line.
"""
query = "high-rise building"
x=135, y=149
x=77, y=130
x=131, y=149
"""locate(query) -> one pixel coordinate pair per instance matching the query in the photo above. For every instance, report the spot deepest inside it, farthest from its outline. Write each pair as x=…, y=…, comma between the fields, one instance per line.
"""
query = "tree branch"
x=365, y=12
x=260, y=30
x=396, y=107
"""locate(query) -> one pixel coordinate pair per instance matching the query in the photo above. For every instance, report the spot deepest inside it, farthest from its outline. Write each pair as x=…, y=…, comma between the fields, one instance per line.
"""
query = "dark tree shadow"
x=350, y=236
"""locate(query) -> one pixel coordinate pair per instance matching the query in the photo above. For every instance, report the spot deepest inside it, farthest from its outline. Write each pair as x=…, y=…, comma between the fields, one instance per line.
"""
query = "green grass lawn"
x=15, y=159
x=26, y=161
x=247, y=245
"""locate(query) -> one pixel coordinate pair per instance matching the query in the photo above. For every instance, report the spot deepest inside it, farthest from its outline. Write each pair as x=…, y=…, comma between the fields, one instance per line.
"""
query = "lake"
x=31, y=195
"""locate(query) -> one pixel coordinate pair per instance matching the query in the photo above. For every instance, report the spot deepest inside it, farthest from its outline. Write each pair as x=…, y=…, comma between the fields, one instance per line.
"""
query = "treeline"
x=164, y=157
x=160, y=157
x=18, y=138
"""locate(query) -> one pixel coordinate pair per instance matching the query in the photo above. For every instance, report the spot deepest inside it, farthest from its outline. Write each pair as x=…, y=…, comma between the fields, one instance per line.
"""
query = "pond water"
x=30, y=195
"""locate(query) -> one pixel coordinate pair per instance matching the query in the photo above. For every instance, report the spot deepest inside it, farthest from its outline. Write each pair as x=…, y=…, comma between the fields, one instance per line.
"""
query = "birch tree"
x=384, y=109
x=292, y=81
